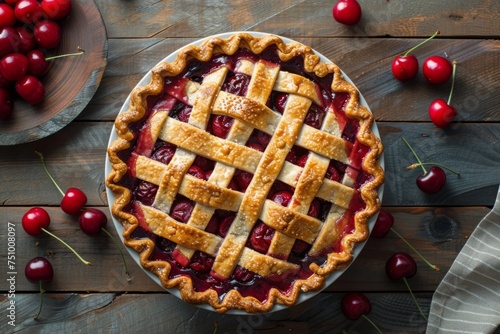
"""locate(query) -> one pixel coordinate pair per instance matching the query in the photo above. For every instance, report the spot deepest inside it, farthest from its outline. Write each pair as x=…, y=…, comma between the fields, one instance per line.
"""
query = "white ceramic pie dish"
x=119, y=227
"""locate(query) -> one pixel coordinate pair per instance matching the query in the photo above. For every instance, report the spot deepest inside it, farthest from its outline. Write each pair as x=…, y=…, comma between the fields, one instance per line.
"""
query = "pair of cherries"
x=436, y=70
x=400, y=266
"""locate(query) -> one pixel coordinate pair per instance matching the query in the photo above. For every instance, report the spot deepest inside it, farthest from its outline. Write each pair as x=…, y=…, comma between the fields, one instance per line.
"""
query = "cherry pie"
x=245, y=172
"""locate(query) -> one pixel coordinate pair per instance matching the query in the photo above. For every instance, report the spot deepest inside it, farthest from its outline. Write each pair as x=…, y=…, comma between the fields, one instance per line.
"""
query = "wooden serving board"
x=70, y=83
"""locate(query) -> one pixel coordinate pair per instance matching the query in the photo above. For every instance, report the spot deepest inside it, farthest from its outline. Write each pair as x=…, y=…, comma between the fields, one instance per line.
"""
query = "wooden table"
x=140, y=33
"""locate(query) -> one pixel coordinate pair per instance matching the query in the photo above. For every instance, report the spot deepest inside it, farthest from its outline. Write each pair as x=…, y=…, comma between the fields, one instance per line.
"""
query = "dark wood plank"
x=438, y=233
x=133, y=313
x=380, y=18
x=80, y=163
x=366, y=61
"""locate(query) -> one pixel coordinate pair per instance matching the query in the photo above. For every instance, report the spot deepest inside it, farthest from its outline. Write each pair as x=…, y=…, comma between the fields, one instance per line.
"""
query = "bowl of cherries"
x=52, y=58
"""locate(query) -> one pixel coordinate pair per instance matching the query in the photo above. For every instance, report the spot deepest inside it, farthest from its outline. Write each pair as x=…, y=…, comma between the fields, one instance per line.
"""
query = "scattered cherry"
x=347, y=12
x=92, y=221
x=384, y=224
x=39, y=270
x=440, y=111
x=355, y=305
x=73, y=200
x=402, y=266
x=433, y=179
x=437, y=69
x=405, y=67
x=36, y=220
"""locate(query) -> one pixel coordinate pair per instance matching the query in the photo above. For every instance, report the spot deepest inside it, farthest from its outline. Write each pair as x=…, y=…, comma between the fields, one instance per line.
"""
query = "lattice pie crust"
x=329, y=238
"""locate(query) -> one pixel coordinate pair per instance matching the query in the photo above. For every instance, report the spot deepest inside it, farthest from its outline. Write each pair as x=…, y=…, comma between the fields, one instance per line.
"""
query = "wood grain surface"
x=99, y=298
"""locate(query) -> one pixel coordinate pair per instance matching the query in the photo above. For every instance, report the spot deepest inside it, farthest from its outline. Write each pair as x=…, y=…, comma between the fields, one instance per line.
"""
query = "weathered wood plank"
x=366, y=61
x=134, y=313
x=310, y=18
x=438, y=233
x=80, y=163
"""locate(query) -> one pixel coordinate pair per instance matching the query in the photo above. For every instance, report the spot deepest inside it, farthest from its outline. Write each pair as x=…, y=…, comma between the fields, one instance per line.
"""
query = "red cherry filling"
x=181, y=210
x=261, y=237
x=198, y=267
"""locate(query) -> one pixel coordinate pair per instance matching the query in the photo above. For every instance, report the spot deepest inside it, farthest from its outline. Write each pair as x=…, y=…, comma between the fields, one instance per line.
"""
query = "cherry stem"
x=80, y=52
x=435, y=164
x=434, y=267
x=415, y=154
x=419, y=44
x=452, y=81
x=372, y=323
x=414, y=299
x=47, y=172
x=41, y=301
x=70, y=248
x=119, y=249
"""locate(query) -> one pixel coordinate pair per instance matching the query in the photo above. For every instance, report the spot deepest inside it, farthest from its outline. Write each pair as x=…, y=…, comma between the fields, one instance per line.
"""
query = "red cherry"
x=7, y=16
x=56, y=9
x=400, y=265
x=347, y=12
x=28, y=11
x=73, y=201
x=405, y=67
x=9, y=41
x=47, y=34
x=383, y=225
x=92, y=221
x=6, y=103
x=441, y=113
x=39, y=270
x=432, y=181
x=31, y=89
x=35, y=220
x=14, y=66
x=354, y=305
x=437, y=69
x=27, y=39
x=37, y=65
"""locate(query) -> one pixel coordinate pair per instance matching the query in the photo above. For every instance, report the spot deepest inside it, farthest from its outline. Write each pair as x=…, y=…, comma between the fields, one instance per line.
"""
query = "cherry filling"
x=199, y=266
